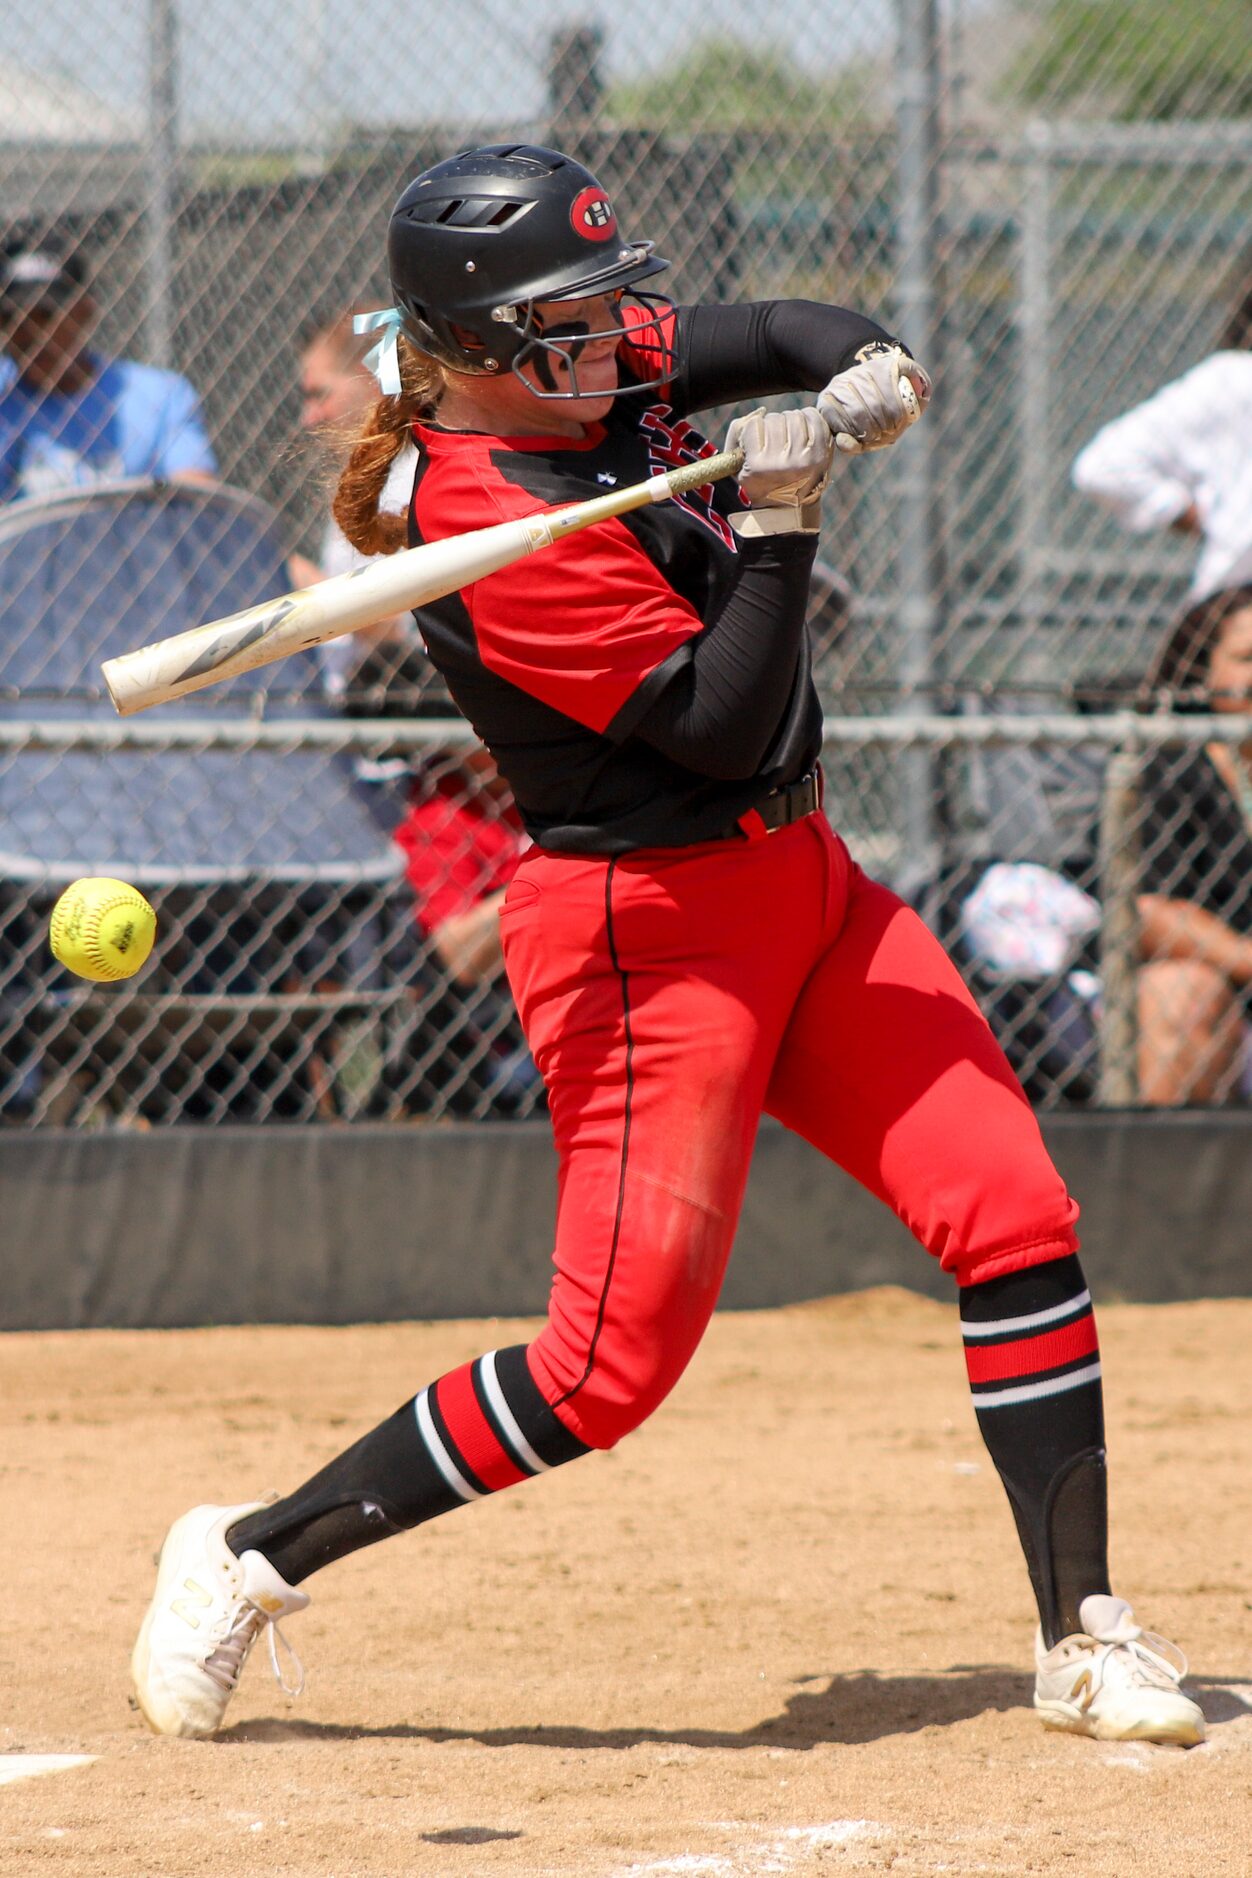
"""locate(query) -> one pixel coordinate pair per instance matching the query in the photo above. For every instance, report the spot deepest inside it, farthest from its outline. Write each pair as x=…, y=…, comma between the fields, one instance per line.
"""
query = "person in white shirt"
x=336, y=390
x=1183, y=458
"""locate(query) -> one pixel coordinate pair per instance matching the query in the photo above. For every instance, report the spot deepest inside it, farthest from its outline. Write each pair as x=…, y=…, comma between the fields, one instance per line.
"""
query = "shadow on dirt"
x=860, y=1706
x=466, y=1835
x=850, y=1709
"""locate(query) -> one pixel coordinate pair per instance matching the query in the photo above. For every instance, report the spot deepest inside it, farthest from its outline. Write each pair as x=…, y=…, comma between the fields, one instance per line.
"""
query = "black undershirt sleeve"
x=715, y=706
x=760, y=348
x=724, y=693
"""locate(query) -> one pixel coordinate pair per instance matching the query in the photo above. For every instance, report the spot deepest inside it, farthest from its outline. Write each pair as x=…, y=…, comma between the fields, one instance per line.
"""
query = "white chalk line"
x=780, y=1852
x=26, y=1766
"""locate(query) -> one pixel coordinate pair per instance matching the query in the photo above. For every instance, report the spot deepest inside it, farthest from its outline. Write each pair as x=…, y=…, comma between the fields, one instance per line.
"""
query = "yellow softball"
x=102, y=929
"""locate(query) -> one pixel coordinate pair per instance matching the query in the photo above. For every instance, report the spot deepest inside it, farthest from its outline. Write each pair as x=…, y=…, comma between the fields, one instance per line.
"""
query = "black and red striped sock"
x=1034, y=1370
x=476, y=1430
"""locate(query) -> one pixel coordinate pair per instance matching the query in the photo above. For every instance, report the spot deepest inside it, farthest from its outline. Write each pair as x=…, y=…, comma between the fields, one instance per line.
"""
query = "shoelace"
x=224, y=1665
x=1147, y=1666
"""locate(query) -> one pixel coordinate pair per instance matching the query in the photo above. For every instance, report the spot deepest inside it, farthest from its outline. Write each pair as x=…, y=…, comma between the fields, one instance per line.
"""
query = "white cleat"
x=1115, y=1681
x=208, y=1609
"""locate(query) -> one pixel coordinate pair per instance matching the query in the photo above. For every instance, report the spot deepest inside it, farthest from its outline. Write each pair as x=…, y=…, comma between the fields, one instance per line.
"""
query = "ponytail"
x=386, y=432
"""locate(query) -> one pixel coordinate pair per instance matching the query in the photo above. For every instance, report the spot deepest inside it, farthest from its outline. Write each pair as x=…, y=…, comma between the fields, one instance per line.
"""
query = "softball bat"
x=225, y=648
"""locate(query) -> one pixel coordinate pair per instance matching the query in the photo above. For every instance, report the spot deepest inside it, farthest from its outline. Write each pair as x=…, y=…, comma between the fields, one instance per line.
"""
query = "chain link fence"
x=1050, y=203
x=357, y=987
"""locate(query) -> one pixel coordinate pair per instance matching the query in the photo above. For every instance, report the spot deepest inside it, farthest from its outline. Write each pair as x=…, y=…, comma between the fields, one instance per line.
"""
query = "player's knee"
x=1025, y=1218
x=607, y=1394
x=613, y=1401
x=602, y=1423
x=997, y=1203
x=979, y=1264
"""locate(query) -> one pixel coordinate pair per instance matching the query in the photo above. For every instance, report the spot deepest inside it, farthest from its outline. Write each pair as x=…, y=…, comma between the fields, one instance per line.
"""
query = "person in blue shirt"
x=68, y=415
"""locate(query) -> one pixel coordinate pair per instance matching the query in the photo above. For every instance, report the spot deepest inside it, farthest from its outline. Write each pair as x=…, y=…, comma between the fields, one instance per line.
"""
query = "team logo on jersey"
x=673, y=443
x=592, y=215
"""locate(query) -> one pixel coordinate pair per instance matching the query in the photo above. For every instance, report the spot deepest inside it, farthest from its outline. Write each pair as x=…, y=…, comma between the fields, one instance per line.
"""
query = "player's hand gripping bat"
x=391, y=584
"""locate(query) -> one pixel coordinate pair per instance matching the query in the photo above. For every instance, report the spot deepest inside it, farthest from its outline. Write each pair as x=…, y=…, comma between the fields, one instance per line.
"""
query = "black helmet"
x=474, y=242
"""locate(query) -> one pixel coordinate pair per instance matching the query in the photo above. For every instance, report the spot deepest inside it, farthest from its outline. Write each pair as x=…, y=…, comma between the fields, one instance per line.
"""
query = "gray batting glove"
x=786, y=466
x=873, y=403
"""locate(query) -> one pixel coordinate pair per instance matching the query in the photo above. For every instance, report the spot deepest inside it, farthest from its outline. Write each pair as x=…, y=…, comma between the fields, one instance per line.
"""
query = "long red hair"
x=383, y=436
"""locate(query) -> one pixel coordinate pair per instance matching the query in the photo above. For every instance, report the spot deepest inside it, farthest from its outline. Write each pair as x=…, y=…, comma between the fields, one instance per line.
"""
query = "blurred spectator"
x=453, y=817
x=462, y=839
x=1027, y=931
x=1195, y=992
x=68, y=414
x=336, y=393
x=1183, y=459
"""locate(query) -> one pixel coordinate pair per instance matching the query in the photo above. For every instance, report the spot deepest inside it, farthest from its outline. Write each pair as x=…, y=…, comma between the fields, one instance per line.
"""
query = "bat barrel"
x=227, y=648
x=243, y=642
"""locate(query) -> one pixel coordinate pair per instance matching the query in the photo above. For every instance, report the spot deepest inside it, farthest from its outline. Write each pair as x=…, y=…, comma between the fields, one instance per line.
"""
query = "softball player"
x=688, y=941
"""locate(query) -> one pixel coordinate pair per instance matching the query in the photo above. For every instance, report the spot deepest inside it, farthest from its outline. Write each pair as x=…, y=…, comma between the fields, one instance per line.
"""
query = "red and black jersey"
x=611, y=674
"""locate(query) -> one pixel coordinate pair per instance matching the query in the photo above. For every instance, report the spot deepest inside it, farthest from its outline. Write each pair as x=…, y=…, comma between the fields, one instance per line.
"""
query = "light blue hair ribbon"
x=382, y=359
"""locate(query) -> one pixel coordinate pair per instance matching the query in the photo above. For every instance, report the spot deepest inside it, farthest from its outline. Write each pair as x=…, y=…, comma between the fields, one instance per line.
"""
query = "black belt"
x=789, y=804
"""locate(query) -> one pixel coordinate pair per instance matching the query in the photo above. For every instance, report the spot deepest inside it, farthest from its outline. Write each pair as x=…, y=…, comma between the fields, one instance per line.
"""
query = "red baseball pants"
x=672, y=996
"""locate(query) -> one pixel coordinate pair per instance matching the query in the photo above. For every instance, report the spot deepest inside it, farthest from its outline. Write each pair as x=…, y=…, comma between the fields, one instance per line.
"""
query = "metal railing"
x=328, y=988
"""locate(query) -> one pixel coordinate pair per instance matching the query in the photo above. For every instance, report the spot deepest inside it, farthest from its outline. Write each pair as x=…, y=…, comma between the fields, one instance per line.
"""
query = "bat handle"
x=705, y=469
x=555, y=524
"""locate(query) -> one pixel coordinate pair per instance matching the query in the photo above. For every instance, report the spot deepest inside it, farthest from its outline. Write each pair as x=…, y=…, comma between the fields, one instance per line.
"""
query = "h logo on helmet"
x=591, y=214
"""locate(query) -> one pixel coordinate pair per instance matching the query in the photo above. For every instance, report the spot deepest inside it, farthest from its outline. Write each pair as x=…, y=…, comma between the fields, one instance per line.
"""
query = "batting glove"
x=873, y=403
x=786, y=466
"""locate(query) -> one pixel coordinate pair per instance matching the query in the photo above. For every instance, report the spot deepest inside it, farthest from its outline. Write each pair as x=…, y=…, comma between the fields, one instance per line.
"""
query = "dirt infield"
x=783, y=1629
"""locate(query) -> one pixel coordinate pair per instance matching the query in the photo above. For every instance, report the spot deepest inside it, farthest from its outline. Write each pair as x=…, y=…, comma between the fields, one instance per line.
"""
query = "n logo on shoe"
x=197, y=1600
x=1083, y=1691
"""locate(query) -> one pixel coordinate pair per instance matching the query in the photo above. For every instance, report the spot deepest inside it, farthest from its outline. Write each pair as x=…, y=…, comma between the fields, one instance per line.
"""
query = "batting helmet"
x=475, y=241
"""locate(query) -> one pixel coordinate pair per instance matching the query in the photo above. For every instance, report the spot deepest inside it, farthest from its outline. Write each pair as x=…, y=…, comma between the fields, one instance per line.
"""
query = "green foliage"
x=1140, y=58
x=722, y=84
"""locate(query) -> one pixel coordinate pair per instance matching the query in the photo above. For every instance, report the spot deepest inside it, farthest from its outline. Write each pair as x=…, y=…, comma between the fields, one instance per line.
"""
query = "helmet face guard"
x=549, y=345
x=480, y=245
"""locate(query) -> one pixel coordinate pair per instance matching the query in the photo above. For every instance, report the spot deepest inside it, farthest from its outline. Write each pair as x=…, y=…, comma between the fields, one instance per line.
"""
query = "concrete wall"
x=340, y=1225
